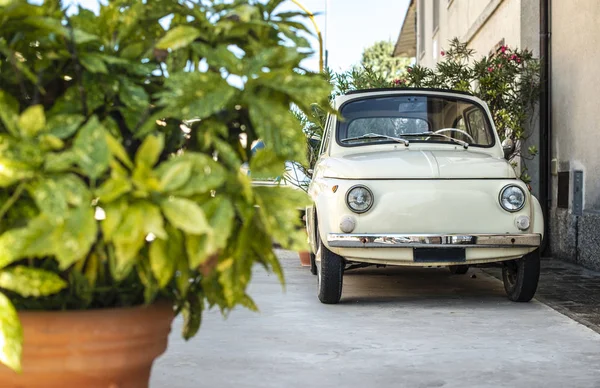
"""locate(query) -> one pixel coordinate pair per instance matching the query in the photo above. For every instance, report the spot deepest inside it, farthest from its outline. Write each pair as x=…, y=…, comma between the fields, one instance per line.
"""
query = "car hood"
x=416, y=164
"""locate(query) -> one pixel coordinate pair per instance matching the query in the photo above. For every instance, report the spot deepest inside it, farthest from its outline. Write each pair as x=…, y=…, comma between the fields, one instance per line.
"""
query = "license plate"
x=431, y=255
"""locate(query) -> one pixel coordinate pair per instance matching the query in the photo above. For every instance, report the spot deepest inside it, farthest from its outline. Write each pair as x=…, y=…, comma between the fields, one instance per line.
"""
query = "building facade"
x=566, y=175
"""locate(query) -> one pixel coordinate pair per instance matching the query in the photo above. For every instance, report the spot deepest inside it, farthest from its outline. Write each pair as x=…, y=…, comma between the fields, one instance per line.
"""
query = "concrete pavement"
x=395, y=327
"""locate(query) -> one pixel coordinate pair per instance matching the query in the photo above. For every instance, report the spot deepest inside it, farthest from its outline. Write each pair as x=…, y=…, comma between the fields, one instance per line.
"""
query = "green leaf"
x=74, y=238
x=91, y=148
x=48, y=198
x=32, y=120
x=114, y=214
x=192, y=315
x=59, y=162
x=178, y=37
x=9, y=112
x=133, y=51
x=221, y=216
x=174, y=174
x=113, y=188
x=11, y=335
x=33, y=240
x=149, y=152
x=93, y=63
x=64, y=125
x=53, y=195
x=163, y=266
x=185, y=215
x=117, y=150
x=50, y=142
x=27, y=281
x=128, y=239
x=153, y=220
x=133, y=96
x=205, y=175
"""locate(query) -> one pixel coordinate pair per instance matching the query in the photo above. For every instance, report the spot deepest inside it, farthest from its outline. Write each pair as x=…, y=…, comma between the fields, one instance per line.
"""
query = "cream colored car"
x=418, y=177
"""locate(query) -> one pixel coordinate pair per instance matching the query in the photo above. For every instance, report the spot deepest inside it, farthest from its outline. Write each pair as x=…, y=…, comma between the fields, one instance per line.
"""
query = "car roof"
x=361, y=93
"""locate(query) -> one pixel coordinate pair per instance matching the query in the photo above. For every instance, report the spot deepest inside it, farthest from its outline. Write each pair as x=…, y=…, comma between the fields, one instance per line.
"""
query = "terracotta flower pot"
x=304, y=258
x=104, y=348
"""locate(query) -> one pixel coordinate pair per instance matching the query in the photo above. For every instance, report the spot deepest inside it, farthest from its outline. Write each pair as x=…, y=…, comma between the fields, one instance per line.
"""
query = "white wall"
x=575, y=50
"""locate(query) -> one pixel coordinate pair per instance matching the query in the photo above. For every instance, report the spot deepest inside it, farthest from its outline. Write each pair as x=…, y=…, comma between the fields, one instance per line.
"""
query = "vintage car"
x=418, y=177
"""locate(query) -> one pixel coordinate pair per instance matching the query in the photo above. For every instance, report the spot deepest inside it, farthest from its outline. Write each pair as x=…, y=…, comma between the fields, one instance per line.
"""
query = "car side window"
x=477, y=128
x=326, y=136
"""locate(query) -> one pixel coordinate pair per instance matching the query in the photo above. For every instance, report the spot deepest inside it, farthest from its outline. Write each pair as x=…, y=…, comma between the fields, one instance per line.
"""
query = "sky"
x=352, y=25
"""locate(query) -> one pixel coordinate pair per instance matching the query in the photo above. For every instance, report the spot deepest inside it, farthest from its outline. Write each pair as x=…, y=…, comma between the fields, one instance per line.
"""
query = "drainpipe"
x=545, y=121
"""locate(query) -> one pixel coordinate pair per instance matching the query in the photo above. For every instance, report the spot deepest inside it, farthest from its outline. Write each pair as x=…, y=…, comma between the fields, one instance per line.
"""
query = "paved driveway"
x=395, y=327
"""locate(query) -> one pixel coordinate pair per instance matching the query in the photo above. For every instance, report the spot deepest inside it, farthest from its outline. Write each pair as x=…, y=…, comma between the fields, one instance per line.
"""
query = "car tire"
x=330, y=276
x=521, y=277
x=458, y=269
x=313, y=264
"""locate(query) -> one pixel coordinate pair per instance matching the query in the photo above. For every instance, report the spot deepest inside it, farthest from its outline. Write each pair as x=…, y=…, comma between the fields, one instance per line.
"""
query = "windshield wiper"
x=459, y=142
x=377, y=136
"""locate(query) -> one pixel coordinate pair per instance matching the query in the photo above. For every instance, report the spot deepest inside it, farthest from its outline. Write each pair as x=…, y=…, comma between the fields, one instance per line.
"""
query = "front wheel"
x=521, y=277
x=313, y=264
x=330, y=276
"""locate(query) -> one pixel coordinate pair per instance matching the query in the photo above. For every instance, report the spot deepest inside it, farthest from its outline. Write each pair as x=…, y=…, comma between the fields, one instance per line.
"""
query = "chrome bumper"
x=341, y=240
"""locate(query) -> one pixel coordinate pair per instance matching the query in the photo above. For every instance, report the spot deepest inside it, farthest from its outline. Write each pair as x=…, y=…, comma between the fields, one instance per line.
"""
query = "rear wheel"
x=521, y=277
x=330, y=276
x=458, y=269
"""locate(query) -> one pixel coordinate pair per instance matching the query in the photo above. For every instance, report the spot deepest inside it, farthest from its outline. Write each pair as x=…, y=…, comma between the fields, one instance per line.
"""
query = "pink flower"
x=442, y=53
x=397, y=81
x=514, y=57
x=518, y=60
x=409, y=69
x=490, y=69
x=503, y=49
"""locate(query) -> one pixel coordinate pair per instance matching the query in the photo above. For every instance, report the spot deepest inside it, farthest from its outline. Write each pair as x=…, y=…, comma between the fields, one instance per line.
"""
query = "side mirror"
x=508, y=146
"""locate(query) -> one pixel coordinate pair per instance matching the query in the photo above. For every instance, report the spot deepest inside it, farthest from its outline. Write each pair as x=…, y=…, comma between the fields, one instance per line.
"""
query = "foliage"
x=508, y=81
x=378, y=59
x=120, y=154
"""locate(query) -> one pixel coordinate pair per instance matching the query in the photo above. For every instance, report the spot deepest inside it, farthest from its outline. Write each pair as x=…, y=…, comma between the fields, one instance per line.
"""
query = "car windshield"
x=414, y=119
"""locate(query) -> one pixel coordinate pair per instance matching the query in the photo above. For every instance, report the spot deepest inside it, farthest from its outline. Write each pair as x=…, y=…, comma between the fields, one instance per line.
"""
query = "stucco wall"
x=575, y=84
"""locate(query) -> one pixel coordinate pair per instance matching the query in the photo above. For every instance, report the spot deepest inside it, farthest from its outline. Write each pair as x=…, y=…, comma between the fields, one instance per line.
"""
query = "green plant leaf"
x=11, y=335
x=59, y=161
x=132, y=95
x=163, y=266
x=206, y=174
x=32, y=120
x=192, y=315
x=221, y=216
x=64, y=125
x=9, y=112
x=153, y=220
x=185, y=215
x=178, y=37
x=114, y=214
x=149, y=152
x=128, y=239
x=93, y=63
x=174, y=175
x=27, y=281
x=91, y=148
x=113, y=188
x=74, y=238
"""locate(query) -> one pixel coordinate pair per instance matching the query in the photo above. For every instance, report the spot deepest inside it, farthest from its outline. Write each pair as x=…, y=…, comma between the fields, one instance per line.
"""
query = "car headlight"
x=359, y=199
x=512, y=198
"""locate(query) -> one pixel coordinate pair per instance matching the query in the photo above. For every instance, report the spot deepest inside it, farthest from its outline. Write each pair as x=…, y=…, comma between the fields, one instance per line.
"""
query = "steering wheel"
x=456, y=130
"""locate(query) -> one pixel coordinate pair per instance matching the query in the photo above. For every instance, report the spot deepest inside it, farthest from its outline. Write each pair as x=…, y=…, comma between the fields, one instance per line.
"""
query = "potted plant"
x=121, y=198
